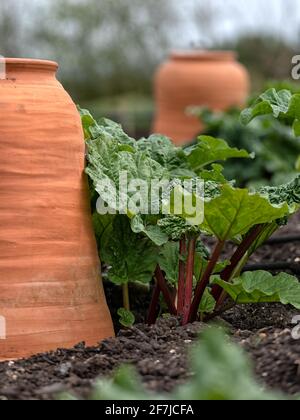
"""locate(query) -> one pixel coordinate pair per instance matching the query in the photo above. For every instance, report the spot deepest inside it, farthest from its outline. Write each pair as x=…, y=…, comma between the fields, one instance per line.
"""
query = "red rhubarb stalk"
x=237, y=257
x=181, y=280
x=153, y=311
x=189, y=280
x=165, y=291
x=204, y=282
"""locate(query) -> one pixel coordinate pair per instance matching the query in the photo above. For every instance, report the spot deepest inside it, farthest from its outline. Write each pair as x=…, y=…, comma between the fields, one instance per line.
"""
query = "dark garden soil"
x=160, y=352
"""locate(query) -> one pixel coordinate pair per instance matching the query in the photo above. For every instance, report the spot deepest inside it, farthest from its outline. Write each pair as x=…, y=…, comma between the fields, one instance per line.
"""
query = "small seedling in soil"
x=127, y=318
x=195, y=283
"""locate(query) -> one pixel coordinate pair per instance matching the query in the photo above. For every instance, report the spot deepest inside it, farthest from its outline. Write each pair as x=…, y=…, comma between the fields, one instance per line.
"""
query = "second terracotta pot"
x=50, y=281
x=212, y=79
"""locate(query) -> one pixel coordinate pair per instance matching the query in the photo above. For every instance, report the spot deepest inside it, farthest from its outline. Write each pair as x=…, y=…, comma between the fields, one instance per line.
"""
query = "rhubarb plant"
x=167, y=245
x=282, y=104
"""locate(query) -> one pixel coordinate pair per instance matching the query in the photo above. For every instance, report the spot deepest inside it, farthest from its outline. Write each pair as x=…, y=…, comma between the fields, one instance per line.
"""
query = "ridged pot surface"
x=50, y=290
x=212, y=79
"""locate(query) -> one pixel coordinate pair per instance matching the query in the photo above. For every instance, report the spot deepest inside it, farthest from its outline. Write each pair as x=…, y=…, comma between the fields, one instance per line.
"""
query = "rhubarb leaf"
x=176, y=227
x=270, y=102
x=169, y=262
x=289, y=193
x=109, y=165
x=208, y=303
x=162, y=150
x=127, y=318
x=282, y=104
x=262, y=287
x=130, y=257
x=94, y=129
x=235, y=211
x=209, y=150
x=142, y=224
x=101, y=224
x=214, y=174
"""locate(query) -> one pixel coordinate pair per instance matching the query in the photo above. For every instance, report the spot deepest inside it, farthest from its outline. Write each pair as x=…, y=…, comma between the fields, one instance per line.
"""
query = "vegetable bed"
x=160, y=352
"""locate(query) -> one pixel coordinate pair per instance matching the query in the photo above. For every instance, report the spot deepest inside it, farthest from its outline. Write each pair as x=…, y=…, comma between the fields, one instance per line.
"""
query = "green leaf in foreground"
x=127, y=318
x=262, y=287
x=209, y=150
x=221, y=370
x=235, y=211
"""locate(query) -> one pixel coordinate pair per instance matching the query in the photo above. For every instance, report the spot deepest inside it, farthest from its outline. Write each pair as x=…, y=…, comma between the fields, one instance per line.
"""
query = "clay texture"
x=50, y=290
x=212, y=79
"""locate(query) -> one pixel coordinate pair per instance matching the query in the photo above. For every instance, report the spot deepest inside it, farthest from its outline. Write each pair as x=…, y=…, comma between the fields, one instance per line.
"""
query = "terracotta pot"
x=212, y=79
x=50, y=290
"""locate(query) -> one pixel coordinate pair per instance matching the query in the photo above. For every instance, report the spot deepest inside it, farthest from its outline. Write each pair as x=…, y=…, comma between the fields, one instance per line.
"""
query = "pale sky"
x=279, y=17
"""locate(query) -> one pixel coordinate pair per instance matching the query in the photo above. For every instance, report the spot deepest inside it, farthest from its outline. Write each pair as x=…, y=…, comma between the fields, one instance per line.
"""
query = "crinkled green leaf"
x=127, y=318
x=162, y=150
x=107, y=163
x=116, y=131
x=176, y=227
x=270, y=102
x=288, y=193
x=281, y=104
x=94, y=129
x=131, y=257
x=152, y=231
x=209, y=150
x=236, y=211
x=262, y=287
x=202, y=250
x=211, y=190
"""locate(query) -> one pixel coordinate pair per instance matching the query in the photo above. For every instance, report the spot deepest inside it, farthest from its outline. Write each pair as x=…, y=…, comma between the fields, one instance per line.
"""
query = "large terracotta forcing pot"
x=50, y=290
x=212, y=79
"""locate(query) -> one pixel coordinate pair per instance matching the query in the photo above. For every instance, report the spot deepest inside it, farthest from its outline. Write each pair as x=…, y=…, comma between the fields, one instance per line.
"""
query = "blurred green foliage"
x=276, y=148
x=221, y=372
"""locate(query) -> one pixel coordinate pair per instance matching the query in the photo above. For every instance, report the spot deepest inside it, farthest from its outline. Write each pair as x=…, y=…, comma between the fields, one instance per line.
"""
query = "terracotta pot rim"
x=31, y=63
x=204, y=55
